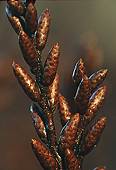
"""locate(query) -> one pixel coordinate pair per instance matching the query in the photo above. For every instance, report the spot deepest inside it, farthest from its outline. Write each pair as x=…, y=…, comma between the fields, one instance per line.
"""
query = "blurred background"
x=83, y=28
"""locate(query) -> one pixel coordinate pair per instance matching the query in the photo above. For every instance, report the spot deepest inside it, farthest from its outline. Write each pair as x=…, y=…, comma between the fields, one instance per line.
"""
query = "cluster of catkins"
x=79, y=133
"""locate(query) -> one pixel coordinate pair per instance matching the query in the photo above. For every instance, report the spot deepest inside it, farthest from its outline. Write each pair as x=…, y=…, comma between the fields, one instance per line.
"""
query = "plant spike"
x=79, y=71
x=31, y=18
x=77, y=137
x=43, y=30
x=50, y=66
x=39, y=126
x=97, y=78
x=28, y=50
x=69, y=133
x=73, y=163
x=28, y=84
x=53, y=93
x=44, y=156
x=16, y=6
x=93, y=135
x=95, y=103
x=64, y=110
x=83, y=94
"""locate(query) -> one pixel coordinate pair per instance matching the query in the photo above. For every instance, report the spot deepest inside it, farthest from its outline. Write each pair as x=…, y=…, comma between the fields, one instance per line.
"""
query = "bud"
x=93, y=135
x=28, y=50
x=95, y=103
x=31, y=18
x=50, y=66
x=97, y=78
x=69, y=133
x=53, y=92
x=79, y=71
x=64, y=110
x=28, y=84
x=44, y=156
x=43, y=29
x=72, y=162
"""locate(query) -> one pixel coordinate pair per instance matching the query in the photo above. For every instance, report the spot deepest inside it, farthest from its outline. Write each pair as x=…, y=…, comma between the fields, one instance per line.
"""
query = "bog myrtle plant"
x=80, y=131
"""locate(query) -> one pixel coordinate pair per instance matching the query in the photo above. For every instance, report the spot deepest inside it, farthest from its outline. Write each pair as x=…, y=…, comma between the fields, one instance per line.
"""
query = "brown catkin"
x=69, y=133
x=16, y=6
x=95, y=103
x=64, y=110
x=28, y=50
x=16, y=24
x=27, y=83
x=43, y=29
x=44, y=155
x=79, y=71
x=50, y=66
x=53, y=92
x=97, y=78
x=72, y=162
x=31, y=17
x=93, y=135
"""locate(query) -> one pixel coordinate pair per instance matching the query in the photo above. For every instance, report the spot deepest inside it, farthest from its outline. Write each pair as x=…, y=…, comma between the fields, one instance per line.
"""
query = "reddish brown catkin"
x=73, y=163
x=95, y=103
x=93, y=135
x=79, y=71
x=28, y=50
x=39, y=126
x=69, y=133
x=31, y=17
x=15, y=22
x=83, y=94
x=28, y=84
x=16, y=6
x=97, y=78
x=53, y=92
x=44, y=156
x=64, y=110
x=43, y=30
x=50, y=66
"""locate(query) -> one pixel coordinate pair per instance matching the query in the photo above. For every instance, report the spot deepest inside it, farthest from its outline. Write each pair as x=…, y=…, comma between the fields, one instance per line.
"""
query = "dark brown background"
x=85, y=28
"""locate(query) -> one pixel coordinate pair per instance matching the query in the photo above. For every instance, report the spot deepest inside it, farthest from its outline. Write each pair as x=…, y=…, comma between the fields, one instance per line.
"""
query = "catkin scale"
x=64, y=110
x=43, y=30
x=50, y=66
x=44, y=156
